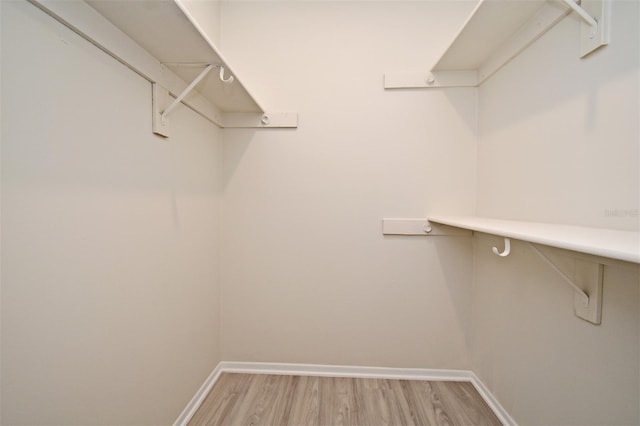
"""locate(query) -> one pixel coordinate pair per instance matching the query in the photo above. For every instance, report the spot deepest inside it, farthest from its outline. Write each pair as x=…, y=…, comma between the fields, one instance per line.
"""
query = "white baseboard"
x=197, y=399
x=342, y=371
x=345, y=371
x=492, y=402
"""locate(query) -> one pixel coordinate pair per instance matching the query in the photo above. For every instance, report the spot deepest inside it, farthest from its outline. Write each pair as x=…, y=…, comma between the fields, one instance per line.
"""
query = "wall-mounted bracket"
x=431, y=79
x=595, y=27
x=186, y=91
x=586, y=278
x=420, y=227
x=260, y=120
x=158, y=96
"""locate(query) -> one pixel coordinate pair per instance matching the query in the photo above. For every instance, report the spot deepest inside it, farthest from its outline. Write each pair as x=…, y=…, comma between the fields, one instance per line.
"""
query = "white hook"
x=228, y=80
x=507, y=248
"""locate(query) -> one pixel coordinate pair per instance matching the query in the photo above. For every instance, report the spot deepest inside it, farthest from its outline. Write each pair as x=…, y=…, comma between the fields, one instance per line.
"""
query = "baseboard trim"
x=492, y=402
x=343, y=371
x=197, y=399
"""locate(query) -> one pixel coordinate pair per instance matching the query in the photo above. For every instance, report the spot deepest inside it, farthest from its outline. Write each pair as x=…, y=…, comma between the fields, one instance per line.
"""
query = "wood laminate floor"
x=260, y=399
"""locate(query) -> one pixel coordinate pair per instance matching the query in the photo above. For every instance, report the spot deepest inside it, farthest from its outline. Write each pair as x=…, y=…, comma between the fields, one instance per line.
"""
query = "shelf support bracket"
x=583, y=14
x=186, y=91
x=160, y=96
x=594, y=30
x=420, y=227
x=431, y=80
x=587, y=300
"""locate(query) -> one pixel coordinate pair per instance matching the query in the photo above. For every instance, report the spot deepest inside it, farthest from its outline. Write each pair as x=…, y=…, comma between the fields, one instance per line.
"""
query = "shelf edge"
x=215, y=49
x=504, y=231
x=545, y=18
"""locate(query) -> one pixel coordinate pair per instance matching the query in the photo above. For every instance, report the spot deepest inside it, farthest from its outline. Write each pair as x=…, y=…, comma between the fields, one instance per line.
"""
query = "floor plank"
x=305, y=408
x=222, y=401
x=256, y=399
x=463, y=402
x=337, y=404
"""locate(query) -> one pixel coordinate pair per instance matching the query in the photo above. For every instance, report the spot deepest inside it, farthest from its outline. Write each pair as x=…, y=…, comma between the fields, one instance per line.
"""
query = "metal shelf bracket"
x=420, y=227
x=588, y=277
x=584, y=15
x=594, y=29
x=160, y=96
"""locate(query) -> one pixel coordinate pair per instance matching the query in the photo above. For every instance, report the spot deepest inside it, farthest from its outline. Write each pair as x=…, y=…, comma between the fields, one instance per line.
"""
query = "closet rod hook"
x=228, y=79
x=507, y=248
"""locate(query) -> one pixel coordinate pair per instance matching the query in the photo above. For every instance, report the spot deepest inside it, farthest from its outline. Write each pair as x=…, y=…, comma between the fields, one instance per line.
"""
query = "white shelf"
x=497, y=31
x=489, y=26
x=164, y=29
x=163, y=43
x=613, y=244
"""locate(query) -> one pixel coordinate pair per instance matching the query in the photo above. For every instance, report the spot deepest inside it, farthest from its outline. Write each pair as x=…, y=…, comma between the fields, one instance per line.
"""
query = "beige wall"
x=207, y=15
x=109, y=236
x=118, y=246
x=558, y=142
x=558, y=135
x=307, y=275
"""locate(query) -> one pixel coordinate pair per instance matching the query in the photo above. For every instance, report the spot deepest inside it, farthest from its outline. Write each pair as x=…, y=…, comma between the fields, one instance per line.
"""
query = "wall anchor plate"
x=591, y=38
x=589, y=276
x=160, y=99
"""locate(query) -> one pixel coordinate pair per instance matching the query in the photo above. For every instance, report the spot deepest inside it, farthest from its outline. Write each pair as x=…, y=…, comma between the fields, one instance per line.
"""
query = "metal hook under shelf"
x=228, y=79
x=584, y=297
x=506, y=251
x=587, y=306
x=185, y=92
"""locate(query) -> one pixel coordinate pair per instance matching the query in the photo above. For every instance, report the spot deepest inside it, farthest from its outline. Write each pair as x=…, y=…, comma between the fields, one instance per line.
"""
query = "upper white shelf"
x=166, y=30
x=490, y=24
x=614, y=244
x=164, y=44
x=495, y=32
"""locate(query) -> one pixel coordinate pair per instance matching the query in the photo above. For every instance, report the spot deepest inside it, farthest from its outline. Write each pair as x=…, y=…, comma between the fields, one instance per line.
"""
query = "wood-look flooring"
x=260, y=399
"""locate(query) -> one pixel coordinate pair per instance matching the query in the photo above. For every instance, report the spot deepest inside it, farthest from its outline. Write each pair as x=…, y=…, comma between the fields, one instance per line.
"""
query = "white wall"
x=558, y=142
x=207, y=15
x=109, y=237
x=113, y=267
x=306, y=274
x=558, y=135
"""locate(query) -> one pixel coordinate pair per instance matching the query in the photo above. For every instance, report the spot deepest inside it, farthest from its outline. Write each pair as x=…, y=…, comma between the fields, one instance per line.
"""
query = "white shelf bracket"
x=594, y=29
x=584, y=15
x=587, y=300
x=186, y=91
x=273, y=119
x=432, y=79
x=420, y=227
x=160, y=97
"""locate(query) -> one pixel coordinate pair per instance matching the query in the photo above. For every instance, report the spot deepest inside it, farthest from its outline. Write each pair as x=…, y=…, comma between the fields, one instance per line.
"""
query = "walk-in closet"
x=319, y=212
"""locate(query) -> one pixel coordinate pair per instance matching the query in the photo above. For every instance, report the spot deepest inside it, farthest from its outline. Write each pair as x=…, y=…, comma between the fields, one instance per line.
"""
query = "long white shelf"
x=497, y=31
x=166, y=30
x=163, y=43
x=609, y=243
